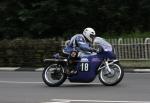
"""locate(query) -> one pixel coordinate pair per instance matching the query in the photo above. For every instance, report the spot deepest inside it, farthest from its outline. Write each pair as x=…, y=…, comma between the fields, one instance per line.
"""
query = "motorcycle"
x=109, y=72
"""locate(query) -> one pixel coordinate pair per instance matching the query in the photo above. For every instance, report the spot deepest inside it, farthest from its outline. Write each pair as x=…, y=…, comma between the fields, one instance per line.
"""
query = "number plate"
x=84, y=67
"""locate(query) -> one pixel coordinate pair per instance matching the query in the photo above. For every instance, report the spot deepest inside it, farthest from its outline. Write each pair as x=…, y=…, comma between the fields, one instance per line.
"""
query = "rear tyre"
x=114, y=78
x=53, y=75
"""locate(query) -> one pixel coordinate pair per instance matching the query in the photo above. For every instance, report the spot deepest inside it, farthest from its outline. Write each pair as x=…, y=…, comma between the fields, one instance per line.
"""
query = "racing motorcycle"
x=109, y=72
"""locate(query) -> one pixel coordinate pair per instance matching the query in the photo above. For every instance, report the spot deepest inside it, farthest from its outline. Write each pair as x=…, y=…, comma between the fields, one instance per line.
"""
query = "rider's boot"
x=71, y=67
x=73, y=70
x=70, y=72
x=72, y=63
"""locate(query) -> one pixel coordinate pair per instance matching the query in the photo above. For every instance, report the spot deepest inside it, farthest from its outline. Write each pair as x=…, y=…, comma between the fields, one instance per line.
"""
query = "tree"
x=57, y=18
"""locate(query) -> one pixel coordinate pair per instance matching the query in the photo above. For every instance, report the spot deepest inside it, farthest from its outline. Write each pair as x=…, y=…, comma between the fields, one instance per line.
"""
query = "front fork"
x=107, y=66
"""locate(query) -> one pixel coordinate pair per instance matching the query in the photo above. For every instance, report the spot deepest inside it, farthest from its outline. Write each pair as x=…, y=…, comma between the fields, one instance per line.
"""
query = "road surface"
x=27, y=87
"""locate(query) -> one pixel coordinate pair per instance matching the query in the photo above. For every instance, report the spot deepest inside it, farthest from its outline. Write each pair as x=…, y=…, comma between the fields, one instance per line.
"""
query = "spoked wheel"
x=53, y=75
x=113, y=78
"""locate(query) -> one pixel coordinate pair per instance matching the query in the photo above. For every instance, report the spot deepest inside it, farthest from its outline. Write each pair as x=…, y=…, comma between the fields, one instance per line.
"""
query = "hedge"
x=27, y=52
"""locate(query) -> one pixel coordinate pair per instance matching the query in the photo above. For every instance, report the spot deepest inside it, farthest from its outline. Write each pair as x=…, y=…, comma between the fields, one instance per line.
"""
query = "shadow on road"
x=86, y=86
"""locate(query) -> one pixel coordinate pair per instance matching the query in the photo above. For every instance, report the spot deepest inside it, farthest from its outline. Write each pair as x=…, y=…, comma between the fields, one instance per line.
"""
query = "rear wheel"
x=53, y=75
x=113, y=78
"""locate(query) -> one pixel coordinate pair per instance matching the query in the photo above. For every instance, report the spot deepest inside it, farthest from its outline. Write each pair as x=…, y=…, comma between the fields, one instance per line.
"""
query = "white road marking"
x=93, y=101
x=9, y=68
x=39, y=69
x=21, y=82
x=15, y=82
x=142, y=70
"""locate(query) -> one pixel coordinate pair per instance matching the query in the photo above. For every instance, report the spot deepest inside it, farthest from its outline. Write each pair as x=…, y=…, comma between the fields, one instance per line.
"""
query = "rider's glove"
x=94, y=50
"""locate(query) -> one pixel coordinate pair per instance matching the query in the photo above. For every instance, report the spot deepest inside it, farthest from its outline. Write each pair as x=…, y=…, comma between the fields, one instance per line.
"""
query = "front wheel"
x=53, y=75
x=113, y=78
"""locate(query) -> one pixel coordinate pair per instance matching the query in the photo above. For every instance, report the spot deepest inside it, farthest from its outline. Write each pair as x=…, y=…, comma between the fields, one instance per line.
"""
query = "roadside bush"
x=27, y=52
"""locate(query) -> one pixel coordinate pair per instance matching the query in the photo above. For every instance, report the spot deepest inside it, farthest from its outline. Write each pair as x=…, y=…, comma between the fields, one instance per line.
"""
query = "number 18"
x=85, y=67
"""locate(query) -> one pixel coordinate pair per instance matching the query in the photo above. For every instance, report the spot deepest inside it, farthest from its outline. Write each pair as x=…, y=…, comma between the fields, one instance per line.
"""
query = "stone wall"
x=25, y=52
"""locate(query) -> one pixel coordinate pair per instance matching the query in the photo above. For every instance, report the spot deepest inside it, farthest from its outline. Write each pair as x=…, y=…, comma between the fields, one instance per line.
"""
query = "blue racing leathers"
x=78, y=43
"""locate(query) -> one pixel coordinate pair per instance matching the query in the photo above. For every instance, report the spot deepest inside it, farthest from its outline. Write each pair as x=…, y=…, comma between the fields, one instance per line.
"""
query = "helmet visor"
x=92, y=37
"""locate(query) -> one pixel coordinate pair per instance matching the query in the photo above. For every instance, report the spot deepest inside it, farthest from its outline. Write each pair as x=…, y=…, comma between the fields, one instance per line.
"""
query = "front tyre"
x=111, y=79
x=53, y=75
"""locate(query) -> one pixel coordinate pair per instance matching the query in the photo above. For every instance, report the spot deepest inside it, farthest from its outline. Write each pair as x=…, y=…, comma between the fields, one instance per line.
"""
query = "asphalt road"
x=27, y=87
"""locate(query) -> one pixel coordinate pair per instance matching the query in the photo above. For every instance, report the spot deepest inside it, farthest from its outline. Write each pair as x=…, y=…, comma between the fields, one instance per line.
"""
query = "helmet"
x=89, y=33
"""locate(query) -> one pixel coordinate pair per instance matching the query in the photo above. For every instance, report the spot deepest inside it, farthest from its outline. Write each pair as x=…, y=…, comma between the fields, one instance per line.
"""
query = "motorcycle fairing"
x=86, y=69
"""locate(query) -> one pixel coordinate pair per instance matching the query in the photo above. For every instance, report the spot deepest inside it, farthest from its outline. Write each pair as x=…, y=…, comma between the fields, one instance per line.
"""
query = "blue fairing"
x=107, y=54
x=86, y=68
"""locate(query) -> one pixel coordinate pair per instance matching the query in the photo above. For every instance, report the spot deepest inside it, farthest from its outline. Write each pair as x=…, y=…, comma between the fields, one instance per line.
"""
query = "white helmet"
x=89, y=33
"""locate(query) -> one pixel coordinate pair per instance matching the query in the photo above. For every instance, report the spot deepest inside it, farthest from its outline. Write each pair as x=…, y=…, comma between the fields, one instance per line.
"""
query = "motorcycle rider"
x=79, y=45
